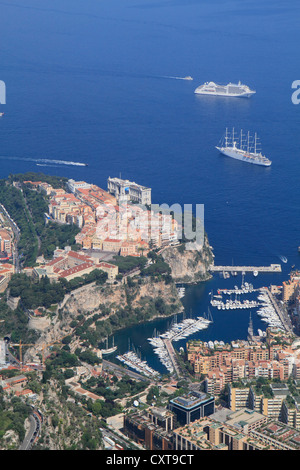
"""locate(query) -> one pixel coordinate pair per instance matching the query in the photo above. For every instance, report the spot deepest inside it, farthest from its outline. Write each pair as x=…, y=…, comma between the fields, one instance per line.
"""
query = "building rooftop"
x=76, y=269
x=244, y=417
x=190, y=400
x=106, y=265
x=127, y=182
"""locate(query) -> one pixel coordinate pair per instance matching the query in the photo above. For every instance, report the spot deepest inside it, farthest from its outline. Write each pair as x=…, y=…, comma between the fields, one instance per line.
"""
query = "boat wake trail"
x=45, y=161
x=178, y=78
x=59, y=162
x=47, y=164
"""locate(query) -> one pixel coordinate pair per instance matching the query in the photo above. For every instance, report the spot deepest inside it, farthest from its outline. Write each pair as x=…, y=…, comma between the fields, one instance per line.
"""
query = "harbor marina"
x=177, y=332
x=132, y=360
x=181, y=292
x=268, y=313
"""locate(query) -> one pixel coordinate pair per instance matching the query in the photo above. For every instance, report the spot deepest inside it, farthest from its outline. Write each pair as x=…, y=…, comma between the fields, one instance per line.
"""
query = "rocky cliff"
x=122, y=305
x=189, y=266
x=92, y=298
x=140, y=301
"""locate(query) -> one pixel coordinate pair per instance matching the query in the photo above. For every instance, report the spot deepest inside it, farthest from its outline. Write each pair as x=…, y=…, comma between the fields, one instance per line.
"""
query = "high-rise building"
x=194, y=405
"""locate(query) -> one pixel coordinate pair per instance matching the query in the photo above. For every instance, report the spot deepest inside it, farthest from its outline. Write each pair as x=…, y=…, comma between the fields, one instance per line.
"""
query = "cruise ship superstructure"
x=237, y=90
x=242, y=147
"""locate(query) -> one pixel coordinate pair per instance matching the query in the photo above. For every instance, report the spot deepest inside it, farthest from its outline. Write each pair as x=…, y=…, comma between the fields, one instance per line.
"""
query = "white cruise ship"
x=243, y=148
x=237, y=90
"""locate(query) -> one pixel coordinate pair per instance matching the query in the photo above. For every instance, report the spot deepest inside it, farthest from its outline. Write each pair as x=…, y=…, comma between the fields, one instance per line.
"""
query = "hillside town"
x=119, y=220
x=238, y=396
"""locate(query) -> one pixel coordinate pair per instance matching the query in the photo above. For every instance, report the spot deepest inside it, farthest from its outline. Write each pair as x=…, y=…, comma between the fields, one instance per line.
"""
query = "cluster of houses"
x=117, y=223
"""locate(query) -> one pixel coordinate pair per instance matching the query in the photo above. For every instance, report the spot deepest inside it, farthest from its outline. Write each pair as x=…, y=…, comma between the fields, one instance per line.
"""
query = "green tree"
x=96, y=407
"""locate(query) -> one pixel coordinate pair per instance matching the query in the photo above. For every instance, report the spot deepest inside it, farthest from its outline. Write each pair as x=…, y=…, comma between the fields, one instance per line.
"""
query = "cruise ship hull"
x=243, y=156
x=231, y=95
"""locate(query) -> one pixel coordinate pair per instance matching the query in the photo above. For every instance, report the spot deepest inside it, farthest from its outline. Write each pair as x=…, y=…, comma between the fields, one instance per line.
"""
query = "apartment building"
x=74, y=185
x=289, y=289
x=277, y=436
x=6, y=242
x=152, y=428
x=208, y=434
x=238, y=397
x=214, y=382
x=246, y=420
x=269, y=404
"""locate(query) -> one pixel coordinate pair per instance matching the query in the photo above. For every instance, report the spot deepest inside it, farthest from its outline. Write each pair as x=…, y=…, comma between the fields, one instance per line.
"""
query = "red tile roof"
x=106, y=265
x=75, y=269
x=55, y=260
x=73, y=254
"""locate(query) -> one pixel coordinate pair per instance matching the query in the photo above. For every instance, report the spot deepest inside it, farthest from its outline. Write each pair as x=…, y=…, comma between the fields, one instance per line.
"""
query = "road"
x=111, y=366
x=16, y=232
x=10, y=357
x=281, y=312
x=172, y=355
x=32, y=435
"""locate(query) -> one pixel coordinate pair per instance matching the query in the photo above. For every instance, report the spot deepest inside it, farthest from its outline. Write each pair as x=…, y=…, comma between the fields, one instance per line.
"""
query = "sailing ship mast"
x=243, y=147
x=226, y=138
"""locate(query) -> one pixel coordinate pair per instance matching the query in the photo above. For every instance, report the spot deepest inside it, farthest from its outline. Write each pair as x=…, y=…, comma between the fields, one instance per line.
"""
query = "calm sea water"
x=90, y=81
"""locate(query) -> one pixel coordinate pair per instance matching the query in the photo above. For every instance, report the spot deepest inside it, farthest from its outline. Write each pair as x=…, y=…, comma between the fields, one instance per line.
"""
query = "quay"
x=237, y=291
x=172, y=355
x=273, y=268
x=280, y=311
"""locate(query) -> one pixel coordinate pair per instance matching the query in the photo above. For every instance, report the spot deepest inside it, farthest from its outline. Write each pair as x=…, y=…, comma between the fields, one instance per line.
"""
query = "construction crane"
x=21, y=345
x=45, y=345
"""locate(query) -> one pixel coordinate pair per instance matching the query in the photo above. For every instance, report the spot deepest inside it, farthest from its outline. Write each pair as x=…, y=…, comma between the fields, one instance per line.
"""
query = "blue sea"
x=99, y=82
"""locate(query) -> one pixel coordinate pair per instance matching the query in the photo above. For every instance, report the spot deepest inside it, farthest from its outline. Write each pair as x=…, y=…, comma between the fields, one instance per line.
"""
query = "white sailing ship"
x=242, y=147
x=108, y=350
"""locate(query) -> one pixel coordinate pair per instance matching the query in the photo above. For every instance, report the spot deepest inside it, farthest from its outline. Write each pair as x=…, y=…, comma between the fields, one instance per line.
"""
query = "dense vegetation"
x=158, y=266
x=27, y=209
x=54, y=181
x=106, y=323
x=128, y=263
x=12, y=416
x=35, y=293
x=113, y=388
x=14, y=203
x=15, y=323
x=52, y=234
x=56, y=235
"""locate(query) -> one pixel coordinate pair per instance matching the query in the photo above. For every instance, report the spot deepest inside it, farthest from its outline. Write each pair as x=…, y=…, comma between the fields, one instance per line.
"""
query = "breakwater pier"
x=273, y=268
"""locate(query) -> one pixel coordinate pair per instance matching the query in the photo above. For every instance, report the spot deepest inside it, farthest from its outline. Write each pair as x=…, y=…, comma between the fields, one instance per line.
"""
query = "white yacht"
x=237, y=90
